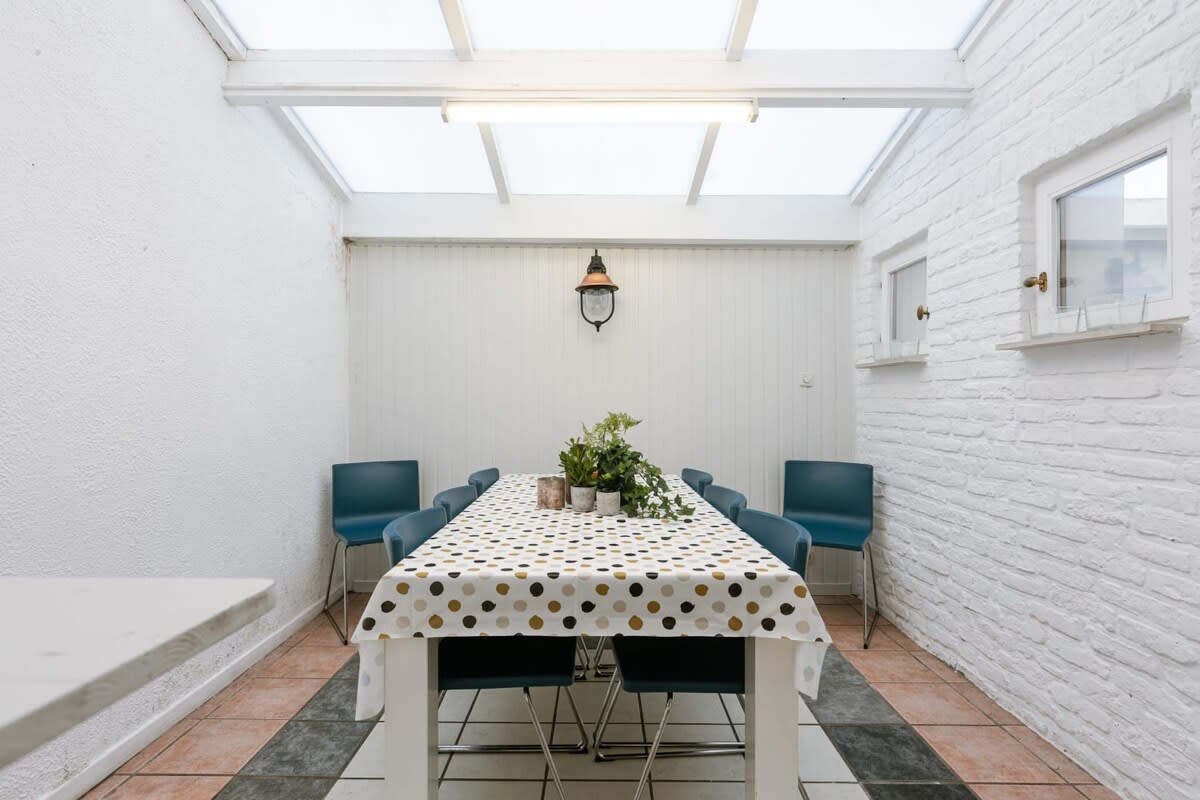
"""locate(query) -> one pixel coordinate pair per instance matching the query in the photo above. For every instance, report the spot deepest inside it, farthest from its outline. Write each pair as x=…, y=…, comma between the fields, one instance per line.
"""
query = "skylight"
x=799, y=151
x=591, y=25
x=605, y=159
x=341, y=25
x=400, y=149
x=862, y=24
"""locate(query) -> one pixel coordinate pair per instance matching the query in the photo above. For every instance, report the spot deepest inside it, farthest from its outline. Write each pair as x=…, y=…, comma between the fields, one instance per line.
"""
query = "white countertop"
x=72, y=646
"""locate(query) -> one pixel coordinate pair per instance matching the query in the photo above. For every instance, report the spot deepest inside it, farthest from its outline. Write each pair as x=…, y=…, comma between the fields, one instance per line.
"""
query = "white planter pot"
x=583, y=498
x=608, y=504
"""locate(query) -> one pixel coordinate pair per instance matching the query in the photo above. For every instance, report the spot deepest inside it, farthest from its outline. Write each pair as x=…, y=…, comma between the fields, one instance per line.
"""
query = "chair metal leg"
x=600, y=671
x=342, y=632
x=869, y=629
x=580, y=747
x=537, y=726
x=662, y=726
x=606, y=709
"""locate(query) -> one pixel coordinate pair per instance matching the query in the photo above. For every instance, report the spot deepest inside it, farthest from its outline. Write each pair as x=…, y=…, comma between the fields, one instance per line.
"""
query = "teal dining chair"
x=834, y=501
x=697, y=479
x=728, y=501
x=407, y=533
x=483, y=479
x=455, y=500
x=366, y=496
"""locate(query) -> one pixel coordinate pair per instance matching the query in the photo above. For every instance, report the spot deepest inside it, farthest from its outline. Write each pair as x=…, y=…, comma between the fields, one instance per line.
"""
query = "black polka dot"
x=468, y=621
x=387, y=606
x=588, y=606
x=536, y=590
x=368, y=624
x=636, y=590
x=669, y=623
x=569, y=623
x=786, y=609
x=488, y=605
x=436, y=588
x=768, y=624
x=735, y=589
x=687, y=608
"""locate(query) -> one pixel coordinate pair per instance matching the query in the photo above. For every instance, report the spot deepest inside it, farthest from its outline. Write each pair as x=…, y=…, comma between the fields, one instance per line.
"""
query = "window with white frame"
x=1112, y=233
x=905, y=309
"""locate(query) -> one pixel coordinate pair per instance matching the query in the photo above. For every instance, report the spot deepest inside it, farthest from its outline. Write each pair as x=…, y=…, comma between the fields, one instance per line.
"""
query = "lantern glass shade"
x=597, y=299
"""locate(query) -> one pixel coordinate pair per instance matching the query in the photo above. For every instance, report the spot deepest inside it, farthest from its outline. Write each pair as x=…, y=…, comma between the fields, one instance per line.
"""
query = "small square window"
x=1112, y=233
x=904, y=307
x=908, y=301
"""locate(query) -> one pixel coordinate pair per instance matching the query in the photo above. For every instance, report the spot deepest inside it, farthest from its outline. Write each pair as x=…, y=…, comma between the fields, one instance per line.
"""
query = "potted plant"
x=614, y=465
x=579, y=463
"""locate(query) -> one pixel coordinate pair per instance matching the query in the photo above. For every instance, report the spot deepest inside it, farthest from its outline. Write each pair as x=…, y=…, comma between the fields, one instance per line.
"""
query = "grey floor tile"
x=846, y=698
x=313, y=749
x=349, y=671
x=888, y=753
x=918, y=791
x=335, y=702
x=246, y=788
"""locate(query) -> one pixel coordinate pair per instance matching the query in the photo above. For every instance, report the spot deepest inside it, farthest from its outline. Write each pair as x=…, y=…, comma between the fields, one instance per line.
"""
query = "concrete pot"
x=583, y=498
x=608, y=504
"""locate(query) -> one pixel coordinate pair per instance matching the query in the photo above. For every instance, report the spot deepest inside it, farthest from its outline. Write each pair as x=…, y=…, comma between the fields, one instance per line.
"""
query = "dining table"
x=505, y=567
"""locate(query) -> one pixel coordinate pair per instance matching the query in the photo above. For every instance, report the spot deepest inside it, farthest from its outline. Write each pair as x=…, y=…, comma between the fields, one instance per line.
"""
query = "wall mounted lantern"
x=597, y=293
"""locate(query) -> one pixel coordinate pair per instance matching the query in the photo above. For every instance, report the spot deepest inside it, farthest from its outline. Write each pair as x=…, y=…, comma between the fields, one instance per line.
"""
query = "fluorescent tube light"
x=599, y=111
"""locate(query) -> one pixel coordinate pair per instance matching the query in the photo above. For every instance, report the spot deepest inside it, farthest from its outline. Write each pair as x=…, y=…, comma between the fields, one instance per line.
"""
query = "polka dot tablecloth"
x=504, y=567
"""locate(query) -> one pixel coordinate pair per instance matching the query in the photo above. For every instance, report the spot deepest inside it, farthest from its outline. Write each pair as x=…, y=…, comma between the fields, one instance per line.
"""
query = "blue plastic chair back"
x=699, y=480
x=407, y=533
x=455, y=500
x=483, y=479
x=368, y=495
x=786, y=540
x=728, y=501
x=834, y=500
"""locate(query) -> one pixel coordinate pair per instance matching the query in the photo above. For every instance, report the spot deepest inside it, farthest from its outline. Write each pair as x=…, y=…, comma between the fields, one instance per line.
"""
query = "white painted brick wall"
x=1039, y=512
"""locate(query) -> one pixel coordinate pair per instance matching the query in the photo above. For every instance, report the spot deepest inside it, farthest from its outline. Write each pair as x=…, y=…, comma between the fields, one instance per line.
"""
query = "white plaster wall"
x=1040, y=513
x=173, y=373
x=467, y=356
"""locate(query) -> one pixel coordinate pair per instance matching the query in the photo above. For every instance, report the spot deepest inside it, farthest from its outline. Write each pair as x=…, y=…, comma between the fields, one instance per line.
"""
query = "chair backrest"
x=698, y=479
x=483, y=479
x=786, y=540
x=375, y=487
x=405, y=534
x=455, y=500
x=728, y=501
x=833, y=488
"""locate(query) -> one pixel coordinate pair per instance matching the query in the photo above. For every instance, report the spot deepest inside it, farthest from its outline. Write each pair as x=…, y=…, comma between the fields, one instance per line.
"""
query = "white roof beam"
x=990, y=14
x=873, y=78
x=494, y=162
x=886, y=155
x=218, y=28
x=456, y=24
x=300, y=136
x=706, y=150
x=743, y=18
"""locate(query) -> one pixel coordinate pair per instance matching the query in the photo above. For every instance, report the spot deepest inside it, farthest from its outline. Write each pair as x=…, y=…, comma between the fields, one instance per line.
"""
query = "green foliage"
x=648, y=495
x=609, y=430
x=578, y=461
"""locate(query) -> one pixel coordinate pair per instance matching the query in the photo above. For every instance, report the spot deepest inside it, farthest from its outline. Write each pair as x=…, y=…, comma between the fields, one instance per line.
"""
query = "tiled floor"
x=892, y=723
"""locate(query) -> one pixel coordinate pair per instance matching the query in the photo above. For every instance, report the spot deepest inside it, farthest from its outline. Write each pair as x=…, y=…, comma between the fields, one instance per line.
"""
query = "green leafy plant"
x=616, y=463
x=648, y=495
x=578, y=461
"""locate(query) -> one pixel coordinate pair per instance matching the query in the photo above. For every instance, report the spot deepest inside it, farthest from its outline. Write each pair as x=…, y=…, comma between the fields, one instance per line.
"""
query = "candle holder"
x=551, y=492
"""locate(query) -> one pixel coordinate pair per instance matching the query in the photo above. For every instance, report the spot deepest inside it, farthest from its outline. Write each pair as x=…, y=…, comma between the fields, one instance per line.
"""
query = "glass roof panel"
x=591, y=25
x=608, y=159
x=862, y=24
x=340, y=25
x=400, y=149
x=799, y=150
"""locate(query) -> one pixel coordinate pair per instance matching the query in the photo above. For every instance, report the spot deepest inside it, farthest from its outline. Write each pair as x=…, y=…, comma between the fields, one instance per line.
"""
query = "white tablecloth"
x=503, y=567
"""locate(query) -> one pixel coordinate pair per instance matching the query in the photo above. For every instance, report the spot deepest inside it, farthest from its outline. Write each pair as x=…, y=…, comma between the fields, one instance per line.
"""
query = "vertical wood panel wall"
x=467, y=356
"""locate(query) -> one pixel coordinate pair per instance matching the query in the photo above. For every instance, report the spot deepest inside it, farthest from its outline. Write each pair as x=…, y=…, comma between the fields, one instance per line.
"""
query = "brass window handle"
x=923, y=313
x=1042, y=281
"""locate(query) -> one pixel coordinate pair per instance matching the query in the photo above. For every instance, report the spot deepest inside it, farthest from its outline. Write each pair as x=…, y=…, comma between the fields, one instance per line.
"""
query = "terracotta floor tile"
x=849, y=637
x=986, y=704
x=841, y=615
x=834, y=599
x=986, y=755
x=1097, y=792
x=170, y=787
x=900, y=639
x=323, y=636
x=156, y=747
x=1007, y=791
x=265, y=663
x=217, y=700
x=1059, y=762
x=104, y=787
x=308, y=662
x=894, y=666
x=214, y=747
x=270, y=698
x=931, y=704
x=939, y=667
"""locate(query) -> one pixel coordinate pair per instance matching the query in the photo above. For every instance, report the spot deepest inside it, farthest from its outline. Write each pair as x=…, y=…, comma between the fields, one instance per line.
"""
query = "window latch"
x=923, y=313
x=1042, y=281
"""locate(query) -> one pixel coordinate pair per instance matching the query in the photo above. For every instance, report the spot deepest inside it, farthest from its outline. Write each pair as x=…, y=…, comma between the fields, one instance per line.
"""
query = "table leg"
x=410, y=719
x=772, y=720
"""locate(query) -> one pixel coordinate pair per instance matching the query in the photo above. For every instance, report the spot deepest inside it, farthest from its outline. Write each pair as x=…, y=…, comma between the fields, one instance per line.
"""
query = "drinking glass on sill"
x=1108, y=311
x=1065, y=321
x=881, y=350
x=906, y=348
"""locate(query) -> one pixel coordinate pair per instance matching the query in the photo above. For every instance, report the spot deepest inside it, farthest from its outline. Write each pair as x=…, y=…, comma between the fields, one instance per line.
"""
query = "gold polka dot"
x=619, y=576
x=653, y=607
x=701, y=589
x=454, y=605
x=602, y=589
x=384, y=636
x=535, y=622
x=801, y=591
x=635, y=623
x=554, y=606
x=521, y=575
x=422, y=574
x=502, y=588
x=719, y=575
x=435, y=621
x=752, y=607
x=735, y=624
x=402, y=588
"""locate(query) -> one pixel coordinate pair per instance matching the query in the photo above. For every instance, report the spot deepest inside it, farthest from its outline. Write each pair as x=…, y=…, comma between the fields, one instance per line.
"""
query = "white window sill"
x=919, y=358
x=1097, y=335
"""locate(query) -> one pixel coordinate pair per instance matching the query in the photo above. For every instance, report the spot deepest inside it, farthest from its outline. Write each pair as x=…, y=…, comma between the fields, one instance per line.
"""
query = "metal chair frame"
x=344, y=631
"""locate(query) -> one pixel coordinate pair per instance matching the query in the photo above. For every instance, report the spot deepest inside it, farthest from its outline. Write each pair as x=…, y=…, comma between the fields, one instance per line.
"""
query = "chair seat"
x=708, y=665
x=366, y=528
x=828, y=530
x=505, y=662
